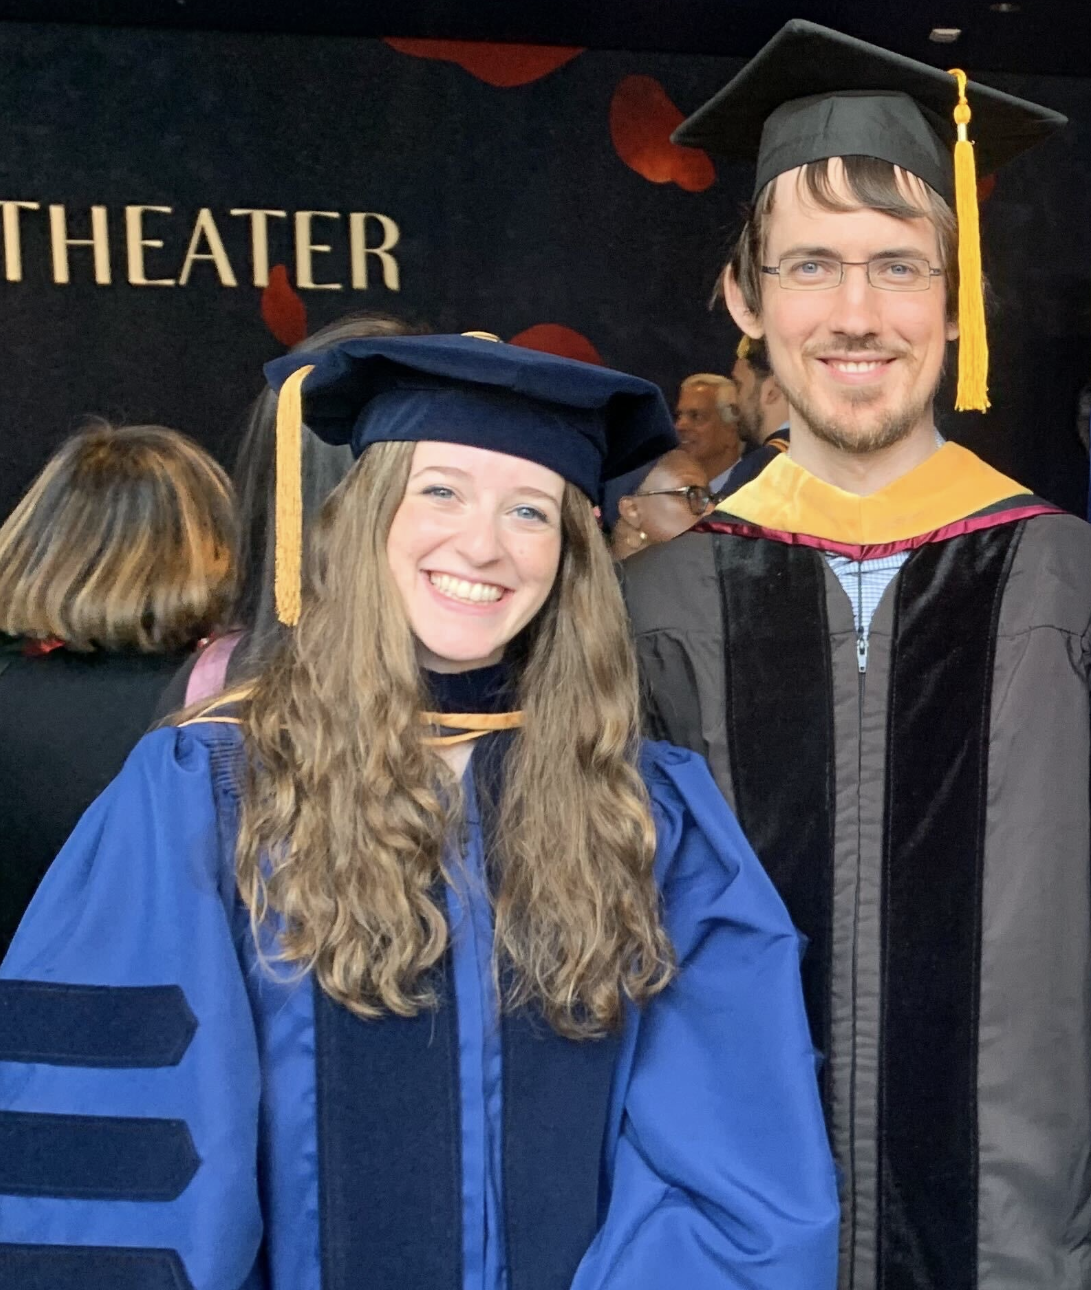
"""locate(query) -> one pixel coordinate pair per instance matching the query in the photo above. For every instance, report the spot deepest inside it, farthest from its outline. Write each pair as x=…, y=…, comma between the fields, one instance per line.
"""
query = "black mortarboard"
x=812, y=93
x=585, y=422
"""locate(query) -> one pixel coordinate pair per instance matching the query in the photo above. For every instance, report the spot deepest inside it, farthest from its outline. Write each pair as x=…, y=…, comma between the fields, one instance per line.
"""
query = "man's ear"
x=737, y=307
x=770, y=391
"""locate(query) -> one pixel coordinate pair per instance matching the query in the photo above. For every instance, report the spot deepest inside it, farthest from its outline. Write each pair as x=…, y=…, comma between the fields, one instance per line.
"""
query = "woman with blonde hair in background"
x=116, y=562
x=431, y=974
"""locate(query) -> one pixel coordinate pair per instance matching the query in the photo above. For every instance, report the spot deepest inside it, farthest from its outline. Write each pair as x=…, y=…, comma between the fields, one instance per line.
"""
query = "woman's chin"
x=446, y=656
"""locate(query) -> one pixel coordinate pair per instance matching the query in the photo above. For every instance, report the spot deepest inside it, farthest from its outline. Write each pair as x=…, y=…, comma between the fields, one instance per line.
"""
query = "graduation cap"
x=812, y=93
x=585, y=422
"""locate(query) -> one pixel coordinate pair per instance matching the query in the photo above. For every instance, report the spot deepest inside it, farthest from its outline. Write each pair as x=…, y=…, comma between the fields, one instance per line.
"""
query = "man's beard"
x=750, y=423
x=891, y=428
x=894, y=426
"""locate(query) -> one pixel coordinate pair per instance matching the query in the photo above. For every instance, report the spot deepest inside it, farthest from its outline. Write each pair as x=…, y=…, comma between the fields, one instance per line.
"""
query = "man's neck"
x=725, y=461
x=771, y=427
x=863, y=473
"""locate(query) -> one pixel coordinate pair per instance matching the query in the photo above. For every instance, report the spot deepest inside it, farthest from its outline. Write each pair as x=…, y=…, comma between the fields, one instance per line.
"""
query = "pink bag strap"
x=210, y=671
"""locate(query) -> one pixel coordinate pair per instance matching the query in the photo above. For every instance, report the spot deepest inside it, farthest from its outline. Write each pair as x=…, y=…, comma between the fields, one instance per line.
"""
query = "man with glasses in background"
x=883, y=648
x=660, y=503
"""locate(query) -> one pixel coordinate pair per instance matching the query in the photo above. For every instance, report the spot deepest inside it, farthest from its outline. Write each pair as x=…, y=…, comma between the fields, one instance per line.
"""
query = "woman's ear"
x=737, y=307
x=629, y=510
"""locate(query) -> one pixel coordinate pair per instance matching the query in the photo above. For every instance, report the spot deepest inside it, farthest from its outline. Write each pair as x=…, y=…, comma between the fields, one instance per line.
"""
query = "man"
x=763, y=415
x=882, y=646
x=706, y=419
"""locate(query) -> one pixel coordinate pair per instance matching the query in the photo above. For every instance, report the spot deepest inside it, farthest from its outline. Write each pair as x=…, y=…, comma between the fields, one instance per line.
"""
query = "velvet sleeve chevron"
x=129, y=1083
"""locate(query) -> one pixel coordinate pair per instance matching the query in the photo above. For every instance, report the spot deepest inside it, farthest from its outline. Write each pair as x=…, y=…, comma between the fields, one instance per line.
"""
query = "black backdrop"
x=543, y=202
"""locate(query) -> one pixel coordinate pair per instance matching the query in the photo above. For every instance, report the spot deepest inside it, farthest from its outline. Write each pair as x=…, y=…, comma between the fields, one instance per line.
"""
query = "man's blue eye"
x=810, y=268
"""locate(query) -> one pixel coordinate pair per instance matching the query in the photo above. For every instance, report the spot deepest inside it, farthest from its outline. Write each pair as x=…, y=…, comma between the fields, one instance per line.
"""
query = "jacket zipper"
x=861, y=630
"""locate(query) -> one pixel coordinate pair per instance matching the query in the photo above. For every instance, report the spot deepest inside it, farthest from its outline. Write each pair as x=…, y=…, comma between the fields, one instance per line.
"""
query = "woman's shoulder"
x=668, y=769
x=208, y=746
x=681, y=787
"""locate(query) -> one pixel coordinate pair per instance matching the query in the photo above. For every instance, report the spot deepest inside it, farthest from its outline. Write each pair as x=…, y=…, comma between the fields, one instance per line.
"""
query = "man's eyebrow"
x=828, y=253
x=824, y=252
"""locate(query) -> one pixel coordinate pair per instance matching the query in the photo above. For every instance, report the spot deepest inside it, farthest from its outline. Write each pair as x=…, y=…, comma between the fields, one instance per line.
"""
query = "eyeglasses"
x=819, y=273
x=697, y=496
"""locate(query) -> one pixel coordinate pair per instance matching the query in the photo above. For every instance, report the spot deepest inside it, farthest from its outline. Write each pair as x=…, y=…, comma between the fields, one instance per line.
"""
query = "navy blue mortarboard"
x=587, y=423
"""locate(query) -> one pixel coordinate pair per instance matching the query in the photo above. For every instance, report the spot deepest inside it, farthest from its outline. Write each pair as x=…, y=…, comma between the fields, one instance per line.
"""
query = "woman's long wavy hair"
x=346, y=810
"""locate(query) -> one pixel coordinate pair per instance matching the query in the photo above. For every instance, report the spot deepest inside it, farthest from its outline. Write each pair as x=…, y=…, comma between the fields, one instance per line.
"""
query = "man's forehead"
x=698, y=393
x=798, y=221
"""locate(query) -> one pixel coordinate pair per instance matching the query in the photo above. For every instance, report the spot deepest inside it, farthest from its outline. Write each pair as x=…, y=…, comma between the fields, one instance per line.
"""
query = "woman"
x=665, y=502
x=431, y=975
x=116, y=562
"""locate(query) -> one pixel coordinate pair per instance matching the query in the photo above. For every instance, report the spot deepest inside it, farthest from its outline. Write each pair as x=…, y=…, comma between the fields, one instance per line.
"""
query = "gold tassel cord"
x=973, y=343
x=288, y=517
x=468, y=725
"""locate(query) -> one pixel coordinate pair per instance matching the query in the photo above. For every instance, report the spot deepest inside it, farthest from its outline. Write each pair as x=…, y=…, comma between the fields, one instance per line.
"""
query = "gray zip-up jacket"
x=926, y=820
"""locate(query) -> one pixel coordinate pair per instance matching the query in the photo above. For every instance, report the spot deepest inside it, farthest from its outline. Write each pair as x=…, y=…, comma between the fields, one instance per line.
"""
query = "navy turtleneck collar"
x=484, y=689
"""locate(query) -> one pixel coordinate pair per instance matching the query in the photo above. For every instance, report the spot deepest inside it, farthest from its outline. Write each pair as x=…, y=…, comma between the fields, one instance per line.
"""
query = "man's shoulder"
x=1058, y=536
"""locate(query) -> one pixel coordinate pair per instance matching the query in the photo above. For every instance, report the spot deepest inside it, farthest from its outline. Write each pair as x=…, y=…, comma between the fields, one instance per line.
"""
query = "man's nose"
x=855, y=304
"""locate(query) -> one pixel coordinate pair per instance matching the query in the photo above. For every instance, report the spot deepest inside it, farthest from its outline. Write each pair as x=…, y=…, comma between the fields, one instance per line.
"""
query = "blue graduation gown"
x=173, y=1117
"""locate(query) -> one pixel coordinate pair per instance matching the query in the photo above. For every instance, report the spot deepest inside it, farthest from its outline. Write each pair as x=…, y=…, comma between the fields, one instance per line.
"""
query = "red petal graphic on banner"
x=284, y=313
x=642, y=118
x=501, y=65
x=985, y=188
x=552, y=338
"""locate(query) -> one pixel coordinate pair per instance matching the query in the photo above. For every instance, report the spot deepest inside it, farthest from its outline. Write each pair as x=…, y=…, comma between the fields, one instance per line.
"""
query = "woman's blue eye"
x=440, y=491
x=530, y=513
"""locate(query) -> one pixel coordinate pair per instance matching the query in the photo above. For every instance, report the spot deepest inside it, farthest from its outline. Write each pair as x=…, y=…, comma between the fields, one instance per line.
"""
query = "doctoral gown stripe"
x=390, y=1180
x=549, y=1133
x=946, y=615
x=779, y=693
x=115, y=1027
x=88, y=1267
x=95, y=1157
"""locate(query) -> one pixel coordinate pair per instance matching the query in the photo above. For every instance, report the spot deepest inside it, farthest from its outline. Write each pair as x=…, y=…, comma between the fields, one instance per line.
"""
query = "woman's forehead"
x=485, y=467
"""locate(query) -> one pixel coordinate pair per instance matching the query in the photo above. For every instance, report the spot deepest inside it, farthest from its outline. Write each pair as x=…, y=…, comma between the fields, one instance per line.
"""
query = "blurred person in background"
x=707, y=420
x=118, y=560
x=671, y=497
x=763, y=414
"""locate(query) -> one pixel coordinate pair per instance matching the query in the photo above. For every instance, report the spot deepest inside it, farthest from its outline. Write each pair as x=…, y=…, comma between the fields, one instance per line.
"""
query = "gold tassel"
x=288, y=517
x=742, y=349
x=973, y=340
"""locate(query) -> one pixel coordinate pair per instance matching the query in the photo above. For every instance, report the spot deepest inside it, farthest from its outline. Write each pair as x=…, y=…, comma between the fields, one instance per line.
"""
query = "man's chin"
x=860, y=424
